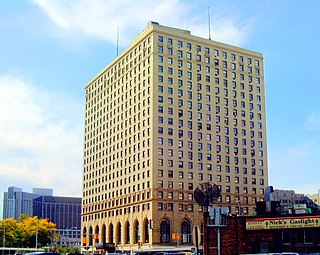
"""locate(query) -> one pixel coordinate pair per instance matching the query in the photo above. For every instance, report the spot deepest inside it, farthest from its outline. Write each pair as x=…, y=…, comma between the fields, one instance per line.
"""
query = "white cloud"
x=313, y=122
x=40, y=138
x=101, y=18
x=296, y=167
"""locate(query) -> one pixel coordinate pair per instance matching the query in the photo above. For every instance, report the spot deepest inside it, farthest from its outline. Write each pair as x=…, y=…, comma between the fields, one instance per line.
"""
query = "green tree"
x=25, y=231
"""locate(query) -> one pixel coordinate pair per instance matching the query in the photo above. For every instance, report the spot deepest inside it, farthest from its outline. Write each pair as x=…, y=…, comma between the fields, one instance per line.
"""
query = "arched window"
x=127, y=233
x=103, y=233
x=85, y=237
x=165, y=232
x=186, y=232
x=90, y=236
x=136, y=231
x=111, y=234
x=96, y=234
x=146, y=231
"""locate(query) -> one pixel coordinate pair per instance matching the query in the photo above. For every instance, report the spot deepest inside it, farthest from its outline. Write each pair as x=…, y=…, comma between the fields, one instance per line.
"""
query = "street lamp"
x=36, y=217
x=68, y=235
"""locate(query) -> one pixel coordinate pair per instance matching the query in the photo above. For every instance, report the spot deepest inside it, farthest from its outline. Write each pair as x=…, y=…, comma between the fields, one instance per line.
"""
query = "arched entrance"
x=165, y=231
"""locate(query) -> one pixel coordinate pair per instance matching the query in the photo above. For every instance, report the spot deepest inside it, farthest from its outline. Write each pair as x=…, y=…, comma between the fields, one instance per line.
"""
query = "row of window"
x=200, y=67
x=170, y=174
x=207, y=50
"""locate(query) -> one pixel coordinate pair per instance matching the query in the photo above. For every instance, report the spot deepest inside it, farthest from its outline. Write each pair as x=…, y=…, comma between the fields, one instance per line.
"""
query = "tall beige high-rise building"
x=171, y=111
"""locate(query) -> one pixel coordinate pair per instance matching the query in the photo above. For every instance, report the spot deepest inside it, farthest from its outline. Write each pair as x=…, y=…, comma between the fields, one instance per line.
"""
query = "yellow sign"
x=283, y=223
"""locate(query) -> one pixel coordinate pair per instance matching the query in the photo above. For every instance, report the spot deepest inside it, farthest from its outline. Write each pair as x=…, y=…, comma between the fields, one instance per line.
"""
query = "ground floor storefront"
x=244, y=235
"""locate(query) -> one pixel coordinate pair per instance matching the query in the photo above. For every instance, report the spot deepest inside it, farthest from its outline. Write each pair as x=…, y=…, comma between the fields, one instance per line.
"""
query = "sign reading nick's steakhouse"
x=283, y=222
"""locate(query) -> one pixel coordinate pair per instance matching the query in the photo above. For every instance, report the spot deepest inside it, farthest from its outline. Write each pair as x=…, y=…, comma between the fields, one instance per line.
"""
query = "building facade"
x=170, y=112
x=17, y=202
x=290, y=201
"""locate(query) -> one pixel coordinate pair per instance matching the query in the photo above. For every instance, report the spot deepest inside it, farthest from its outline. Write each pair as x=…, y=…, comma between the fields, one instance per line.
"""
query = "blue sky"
x=49, y=50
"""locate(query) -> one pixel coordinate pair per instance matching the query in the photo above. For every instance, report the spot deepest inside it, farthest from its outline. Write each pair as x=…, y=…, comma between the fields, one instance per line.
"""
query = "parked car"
x=43, y=253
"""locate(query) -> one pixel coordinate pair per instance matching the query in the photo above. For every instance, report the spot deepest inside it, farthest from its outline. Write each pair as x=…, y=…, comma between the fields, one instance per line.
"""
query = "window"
x=286, y=237
x=224, y=54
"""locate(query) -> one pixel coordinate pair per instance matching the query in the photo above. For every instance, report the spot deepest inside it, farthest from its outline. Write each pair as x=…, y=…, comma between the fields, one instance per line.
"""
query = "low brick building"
x=248, y=235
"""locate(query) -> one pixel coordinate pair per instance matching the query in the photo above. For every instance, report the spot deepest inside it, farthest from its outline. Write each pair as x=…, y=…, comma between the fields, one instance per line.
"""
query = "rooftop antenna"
x=117, y=41
x=188, y=21
x=209, y=22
